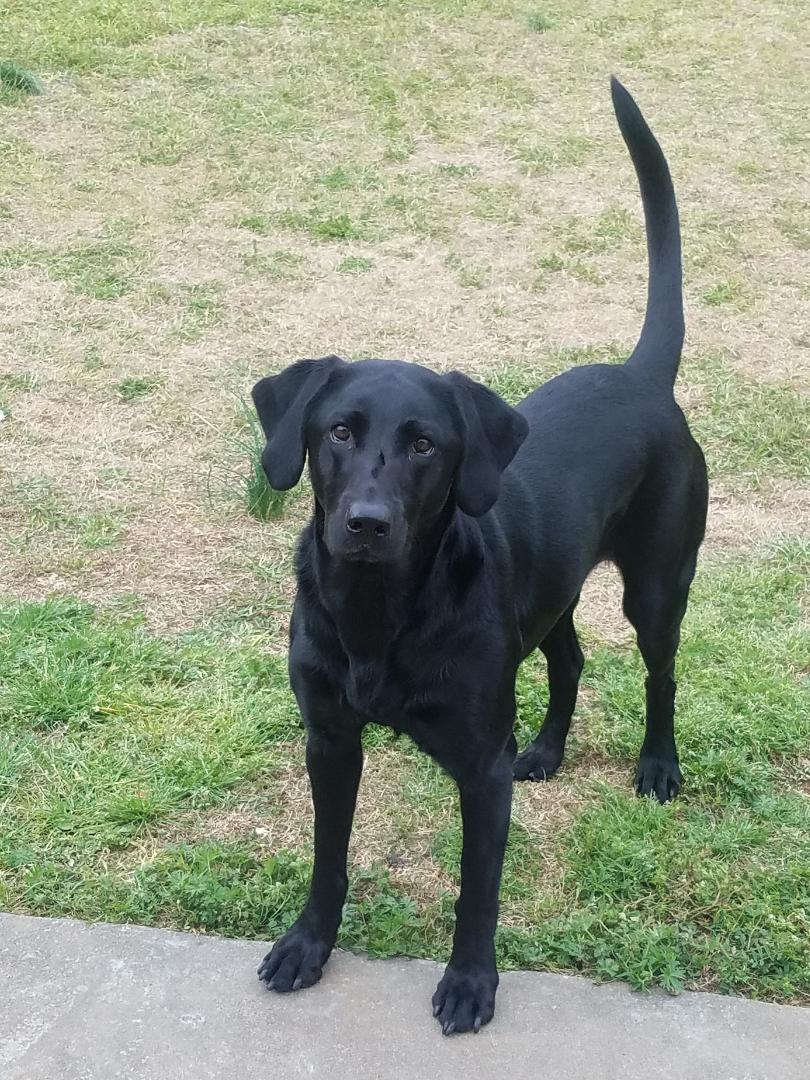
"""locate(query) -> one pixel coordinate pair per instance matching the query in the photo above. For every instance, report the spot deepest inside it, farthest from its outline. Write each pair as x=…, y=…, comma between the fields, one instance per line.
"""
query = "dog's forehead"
x=391, y=390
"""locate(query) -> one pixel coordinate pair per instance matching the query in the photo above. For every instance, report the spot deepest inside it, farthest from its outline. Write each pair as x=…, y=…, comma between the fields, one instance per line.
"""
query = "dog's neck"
x=371, y=603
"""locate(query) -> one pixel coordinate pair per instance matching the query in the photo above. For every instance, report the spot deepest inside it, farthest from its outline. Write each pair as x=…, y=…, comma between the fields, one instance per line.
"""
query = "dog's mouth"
x=363, y=553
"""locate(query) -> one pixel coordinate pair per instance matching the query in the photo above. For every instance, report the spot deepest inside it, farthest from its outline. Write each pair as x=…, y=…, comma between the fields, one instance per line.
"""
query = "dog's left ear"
x=282, y=402
x=493, y=432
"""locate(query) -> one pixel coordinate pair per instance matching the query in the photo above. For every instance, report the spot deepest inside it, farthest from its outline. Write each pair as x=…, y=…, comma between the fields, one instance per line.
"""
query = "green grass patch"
x=539, y=21
x=748, y=427
x=243, y=480
x=135, y=387
x=354, y=264
x=732, y=292
x=109, y=735
x=18, y=382
x=16, y=79
x=329, y=227
x=106, y=269
x=257, y=223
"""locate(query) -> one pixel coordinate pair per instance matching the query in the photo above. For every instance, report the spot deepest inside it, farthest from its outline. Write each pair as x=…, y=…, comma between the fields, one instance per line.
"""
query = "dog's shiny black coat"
x=451, y=537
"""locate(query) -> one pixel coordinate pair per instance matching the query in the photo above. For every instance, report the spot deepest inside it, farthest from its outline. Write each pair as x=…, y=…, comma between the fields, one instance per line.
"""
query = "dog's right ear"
x=282, y=402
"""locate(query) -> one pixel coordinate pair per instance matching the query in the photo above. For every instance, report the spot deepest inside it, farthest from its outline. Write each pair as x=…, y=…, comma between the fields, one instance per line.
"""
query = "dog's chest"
x=375, y=689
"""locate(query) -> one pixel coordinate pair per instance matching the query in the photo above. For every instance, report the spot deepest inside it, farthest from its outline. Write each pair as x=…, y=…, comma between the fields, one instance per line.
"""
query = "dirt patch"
x=780, y=510
x=600, y=606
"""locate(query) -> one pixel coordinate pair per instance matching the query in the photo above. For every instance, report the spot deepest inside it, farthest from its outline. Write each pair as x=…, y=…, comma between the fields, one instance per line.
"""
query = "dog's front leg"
x=334, y=763
x=465, y=997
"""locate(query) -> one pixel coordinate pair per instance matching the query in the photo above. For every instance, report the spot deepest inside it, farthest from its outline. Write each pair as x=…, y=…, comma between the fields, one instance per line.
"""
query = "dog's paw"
x=539, y=761
x=465, y=1001
x=295, y=961
x=658, y=776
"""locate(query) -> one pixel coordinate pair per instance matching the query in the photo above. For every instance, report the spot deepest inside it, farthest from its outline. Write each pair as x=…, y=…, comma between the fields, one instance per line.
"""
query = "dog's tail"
x=661, y=341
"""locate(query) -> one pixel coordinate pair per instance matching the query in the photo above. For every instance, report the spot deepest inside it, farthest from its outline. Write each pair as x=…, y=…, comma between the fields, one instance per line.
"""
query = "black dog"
x=451, y=537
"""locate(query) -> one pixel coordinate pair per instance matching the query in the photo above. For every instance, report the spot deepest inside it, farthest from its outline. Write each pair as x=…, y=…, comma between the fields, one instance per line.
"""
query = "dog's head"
x=389, y=443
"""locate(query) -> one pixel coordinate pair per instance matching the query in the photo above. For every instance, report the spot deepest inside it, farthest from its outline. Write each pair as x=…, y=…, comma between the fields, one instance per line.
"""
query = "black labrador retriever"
x=451, y=536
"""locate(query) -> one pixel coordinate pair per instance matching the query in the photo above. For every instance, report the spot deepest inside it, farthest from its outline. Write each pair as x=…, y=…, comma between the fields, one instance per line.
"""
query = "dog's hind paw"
x=658, y=776
x=539, y=761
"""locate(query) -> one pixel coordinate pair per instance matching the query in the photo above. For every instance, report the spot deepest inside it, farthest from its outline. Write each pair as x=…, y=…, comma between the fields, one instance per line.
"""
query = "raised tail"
x=659, y=346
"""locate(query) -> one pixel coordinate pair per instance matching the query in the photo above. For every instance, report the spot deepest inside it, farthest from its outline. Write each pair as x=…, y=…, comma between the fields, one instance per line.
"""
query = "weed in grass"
x=136, y=387
x=331, y=227
x=18, y=382
x=354, y=264
x=585, y=271
x=457, y=172
x=539, y=21
x=203, y=309
x=467, y=275
x=93, y=360
x=12, y=384
x=247, y=482
x=14, y=77
x=257, y=223
x=101, y=530
x=337, y=179
x=278, y=265
x=733, y=293
x=496, y=202
x=104, y=270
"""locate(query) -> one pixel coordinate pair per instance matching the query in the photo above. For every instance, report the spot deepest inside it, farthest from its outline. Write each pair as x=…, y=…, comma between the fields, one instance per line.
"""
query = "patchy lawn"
x=204, y=191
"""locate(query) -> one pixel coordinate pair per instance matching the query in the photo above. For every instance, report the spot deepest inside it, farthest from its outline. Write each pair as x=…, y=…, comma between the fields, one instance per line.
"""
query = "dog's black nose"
x=368, y=521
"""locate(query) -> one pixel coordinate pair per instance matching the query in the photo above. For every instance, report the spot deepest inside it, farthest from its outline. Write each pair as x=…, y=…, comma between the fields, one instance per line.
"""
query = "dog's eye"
x=423, y=446
x=340, y=433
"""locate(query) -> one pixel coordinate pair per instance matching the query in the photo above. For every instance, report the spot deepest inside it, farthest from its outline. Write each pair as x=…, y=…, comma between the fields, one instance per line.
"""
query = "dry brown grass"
x=85, y=173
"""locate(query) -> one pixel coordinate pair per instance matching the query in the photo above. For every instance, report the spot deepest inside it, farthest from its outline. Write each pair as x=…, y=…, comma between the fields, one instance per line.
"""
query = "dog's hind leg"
x=564, y=659
x=658, y=561
x=656, y=609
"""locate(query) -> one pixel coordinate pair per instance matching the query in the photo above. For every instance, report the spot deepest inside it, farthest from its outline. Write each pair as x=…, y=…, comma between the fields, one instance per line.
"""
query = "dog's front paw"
x=658, y=776
x=295, y=961
x=465, y=1001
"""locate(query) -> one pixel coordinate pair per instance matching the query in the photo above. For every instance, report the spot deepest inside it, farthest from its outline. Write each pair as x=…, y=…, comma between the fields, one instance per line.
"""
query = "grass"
x=113, y=740
x=727, y=292
x=135, y=387
x=16, y=79
x=354, y=264
x=100, y=270
x=209, y=190
x=245, y=481
x=539, y=20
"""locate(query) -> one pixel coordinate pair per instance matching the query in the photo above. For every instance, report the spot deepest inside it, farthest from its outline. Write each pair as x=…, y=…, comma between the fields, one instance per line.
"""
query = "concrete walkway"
x=101, y=1002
